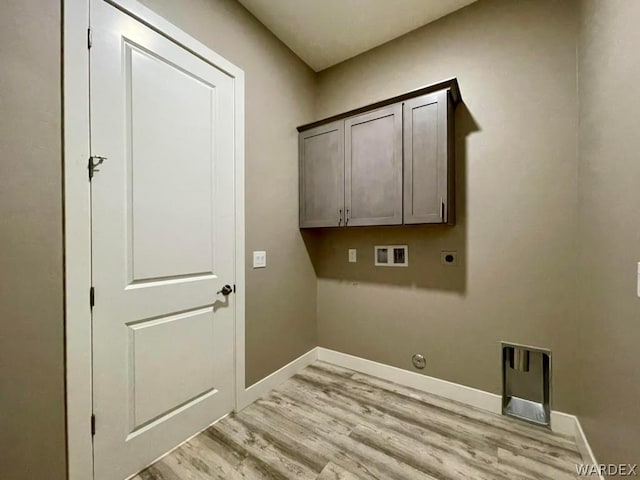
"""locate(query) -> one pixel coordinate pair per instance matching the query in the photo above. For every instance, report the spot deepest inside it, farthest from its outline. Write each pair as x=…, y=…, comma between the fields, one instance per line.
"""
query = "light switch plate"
x=259, y=259
x=353, y=255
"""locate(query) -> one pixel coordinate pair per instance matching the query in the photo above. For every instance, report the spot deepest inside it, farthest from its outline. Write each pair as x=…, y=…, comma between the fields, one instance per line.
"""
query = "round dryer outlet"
x=449, y=258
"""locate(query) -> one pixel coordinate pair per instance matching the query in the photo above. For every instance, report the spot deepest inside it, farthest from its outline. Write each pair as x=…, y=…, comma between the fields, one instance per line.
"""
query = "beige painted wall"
x=281, y=299
x=32, y=429
x=609, y=175
x=517, y=178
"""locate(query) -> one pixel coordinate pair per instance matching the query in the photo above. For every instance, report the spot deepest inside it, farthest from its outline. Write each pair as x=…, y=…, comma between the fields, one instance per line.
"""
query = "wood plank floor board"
x=234, y=464
x=331, y=423
x=282, y=464
x=314, y=430
x=522, y=428
x=414, y=437
x=427, y=416
x=423, y=431
x=224, y=461
x=335, y=472
x=534, y=468
x=378, y=463
x=331, y=443
x=563, y=447
x=438, y=463
x=190, y=466
x=159, y=471
x=546, y=449
x=288, y=436
x=389, y=390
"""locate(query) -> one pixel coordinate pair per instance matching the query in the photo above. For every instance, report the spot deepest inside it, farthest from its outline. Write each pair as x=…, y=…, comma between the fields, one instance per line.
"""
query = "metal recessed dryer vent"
x=526, y=383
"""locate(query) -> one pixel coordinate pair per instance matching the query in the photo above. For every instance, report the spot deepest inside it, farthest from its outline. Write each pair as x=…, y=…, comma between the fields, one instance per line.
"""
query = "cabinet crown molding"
x=450, y=84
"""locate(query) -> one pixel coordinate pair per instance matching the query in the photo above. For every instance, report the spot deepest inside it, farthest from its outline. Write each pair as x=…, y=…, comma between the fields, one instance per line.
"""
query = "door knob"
x=226, y=290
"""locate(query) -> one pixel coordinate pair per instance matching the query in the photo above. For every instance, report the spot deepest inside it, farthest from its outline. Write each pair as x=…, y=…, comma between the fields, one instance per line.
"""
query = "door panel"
x=188, y=371
x=173, y=175
x=322, y=176
x=425, y=159
x=162, y=242
x=373, y=167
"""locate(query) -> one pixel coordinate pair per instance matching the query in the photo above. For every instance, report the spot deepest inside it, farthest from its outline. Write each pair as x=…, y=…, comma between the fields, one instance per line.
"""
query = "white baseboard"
x=264, y=386
x=561, y=422
x=471, y=396
x=583, y=446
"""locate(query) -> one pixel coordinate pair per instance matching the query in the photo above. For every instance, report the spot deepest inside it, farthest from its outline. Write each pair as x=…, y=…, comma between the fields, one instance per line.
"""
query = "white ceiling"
x=326, y=32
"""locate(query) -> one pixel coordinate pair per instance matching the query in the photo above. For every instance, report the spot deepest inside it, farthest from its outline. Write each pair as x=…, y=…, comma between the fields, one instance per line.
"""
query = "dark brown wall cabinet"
x=322, y=176
x=390, y=163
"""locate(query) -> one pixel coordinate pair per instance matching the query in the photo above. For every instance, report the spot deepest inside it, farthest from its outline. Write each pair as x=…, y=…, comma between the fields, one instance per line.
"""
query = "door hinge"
x=92, y=296
x=93, y=425
x=89, y=38
x=94, y=162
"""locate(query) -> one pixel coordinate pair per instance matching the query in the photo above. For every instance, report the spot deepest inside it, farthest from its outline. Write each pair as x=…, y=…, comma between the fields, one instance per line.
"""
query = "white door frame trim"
x=77, y=225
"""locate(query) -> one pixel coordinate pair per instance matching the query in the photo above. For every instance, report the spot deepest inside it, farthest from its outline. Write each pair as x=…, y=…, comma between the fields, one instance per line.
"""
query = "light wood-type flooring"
x=331, y=423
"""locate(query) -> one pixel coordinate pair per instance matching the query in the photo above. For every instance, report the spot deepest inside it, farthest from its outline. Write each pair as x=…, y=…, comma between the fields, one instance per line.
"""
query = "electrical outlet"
x=449, y=258
x=259, y=259
x=353, y=255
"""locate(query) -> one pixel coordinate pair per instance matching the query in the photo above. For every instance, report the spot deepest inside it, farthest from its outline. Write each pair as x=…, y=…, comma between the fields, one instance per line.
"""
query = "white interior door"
x=162, y=240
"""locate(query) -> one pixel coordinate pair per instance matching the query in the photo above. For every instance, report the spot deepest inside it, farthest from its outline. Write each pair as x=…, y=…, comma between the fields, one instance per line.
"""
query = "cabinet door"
x=373, y=167
x=427, y=174
x=322, y=176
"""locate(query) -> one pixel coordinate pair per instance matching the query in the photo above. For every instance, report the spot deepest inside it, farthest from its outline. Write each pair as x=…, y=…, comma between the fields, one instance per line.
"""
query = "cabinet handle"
x=340, y=217
x=346, y=218
x=441, y=208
